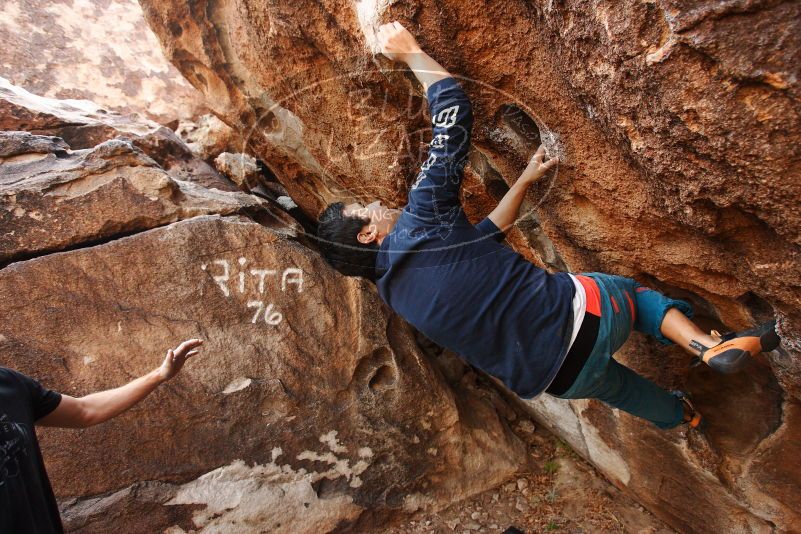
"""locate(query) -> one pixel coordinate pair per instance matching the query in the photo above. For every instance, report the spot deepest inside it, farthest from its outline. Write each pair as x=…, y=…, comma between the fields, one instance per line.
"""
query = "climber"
x=27, y=503
x=534, y=331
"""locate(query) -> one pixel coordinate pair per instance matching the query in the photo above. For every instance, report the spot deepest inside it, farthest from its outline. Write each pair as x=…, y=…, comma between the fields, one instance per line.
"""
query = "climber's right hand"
x=396, y=42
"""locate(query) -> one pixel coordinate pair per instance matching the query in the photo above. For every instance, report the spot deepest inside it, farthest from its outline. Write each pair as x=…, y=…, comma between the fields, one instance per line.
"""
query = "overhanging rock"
x=678, y=132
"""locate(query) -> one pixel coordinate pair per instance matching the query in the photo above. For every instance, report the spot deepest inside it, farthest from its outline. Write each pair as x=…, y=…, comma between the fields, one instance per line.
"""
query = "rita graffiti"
x=258, y=283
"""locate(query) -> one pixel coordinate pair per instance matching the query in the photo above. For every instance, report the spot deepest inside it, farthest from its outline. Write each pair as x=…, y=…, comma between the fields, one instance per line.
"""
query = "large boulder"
x=311, y=408
x=84, y=124
x=208, y=136
x=678, y=131
x=100, y=50
x=52, y=198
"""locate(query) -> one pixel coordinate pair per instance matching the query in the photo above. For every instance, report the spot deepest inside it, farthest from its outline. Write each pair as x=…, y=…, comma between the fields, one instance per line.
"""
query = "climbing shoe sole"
x=733, y=352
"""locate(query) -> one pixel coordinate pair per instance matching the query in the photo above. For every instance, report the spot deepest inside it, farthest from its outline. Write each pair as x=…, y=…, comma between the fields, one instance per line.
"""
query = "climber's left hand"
x=537, y=167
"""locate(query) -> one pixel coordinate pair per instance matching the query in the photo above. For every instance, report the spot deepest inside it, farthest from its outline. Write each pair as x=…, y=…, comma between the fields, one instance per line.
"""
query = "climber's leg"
x=728, y=353
x=668, y=320
x=665, y=319
x=734, y=350
x=682, y=331
x=605, y=379
x=626, y=390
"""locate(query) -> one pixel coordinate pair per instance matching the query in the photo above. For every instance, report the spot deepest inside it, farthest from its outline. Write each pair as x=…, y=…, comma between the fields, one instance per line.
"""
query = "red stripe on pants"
x=593, y=294
x=631, y=308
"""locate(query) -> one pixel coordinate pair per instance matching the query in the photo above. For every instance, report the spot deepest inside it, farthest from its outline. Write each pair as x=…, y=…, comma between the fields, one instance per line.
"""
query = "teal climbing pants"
x=625, y=305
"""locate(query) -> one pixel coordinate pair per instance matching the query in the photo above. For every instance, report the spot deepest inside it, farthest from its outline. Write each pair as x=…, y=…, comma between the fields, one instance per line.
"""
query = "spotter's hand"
x=176, y=358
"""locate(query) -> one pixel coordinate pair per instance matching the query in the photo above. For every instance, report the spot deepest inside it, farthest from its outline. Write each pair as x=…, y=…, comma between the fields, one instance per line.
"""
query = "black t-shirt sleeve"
x=42, y=400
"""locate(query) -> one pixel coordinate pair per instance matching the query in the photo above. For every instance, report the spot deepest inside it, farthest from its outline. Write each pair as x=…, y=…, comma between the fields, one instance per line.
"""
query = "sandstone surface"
x=52, y=198
x=296, y=418
x=678, y=127
x=240, y=169
x=84, y=124
x=100, y=50
x=207, y=136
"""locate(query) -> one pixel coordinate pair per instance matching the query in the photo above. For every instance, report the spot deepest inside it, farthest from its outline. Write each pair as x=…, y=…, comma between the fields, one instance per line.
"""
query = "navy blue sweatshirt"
x=457, y=283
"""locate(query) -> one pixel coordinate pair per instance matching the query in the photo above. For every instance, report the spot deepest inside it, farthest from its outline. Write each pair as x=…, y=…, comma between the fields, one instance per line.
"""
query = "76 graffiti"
x=254, y=280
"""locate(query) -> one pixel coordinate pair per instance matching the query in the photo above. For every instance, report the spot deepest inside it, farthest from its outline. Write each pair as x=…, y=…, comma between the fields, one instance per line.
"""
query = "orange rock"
x=301, y=415
x=678, y=132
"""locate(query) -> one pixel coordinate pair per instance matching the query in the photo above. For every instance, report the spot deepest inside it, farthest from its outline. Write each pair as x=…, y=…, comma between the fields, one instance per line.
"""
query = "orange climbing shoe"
x=732, y=353
x=692, y=417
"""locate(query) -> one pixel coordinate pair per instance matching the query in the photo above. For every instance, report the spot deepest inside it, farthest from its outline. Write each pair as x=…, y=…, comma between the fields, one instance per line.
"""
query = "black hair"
x=337, y=234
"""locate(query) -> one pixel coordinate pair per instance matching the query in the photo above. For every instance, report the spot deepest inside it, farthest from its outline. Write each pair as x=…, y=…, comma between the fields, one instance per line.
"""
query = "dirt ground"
x=559, y=492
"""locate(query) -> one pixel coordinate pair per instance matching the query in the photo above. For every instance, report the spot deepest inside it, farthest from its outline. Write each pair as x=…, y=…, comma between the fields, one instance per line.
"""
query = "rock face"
x=100, y=50
x=83, y=124
x=678, y=129
x=52, y=198
x=240, y=169
x=296, y=419
x=208, y=136
x=125, y=175
x=312, y=409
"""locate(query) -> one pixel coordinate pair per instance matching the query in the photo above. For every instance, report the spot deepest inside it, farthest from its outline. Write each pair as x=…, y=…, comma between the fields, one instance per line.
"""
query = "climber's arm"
x=434, y=194
x=399, y=45
x=98, y=407
x=507, y=211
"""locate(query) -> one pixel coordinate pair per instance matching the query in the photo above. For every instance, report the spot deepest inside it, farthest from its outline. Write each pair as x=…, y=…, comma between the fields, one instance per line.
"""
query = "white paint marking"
x=237, y=385
x=297, y=279
x=256, y=304
x=270, y=317
x=261, y=273
x=222, y=280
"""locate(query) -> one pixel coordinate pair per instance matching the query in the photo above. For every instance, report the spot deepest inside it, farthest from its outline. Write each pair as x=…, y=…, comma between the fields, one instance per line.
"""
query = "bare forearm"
x=427, y=70
x=398, y=44
x=98, y=407
x=506, y=212
x=105, y=405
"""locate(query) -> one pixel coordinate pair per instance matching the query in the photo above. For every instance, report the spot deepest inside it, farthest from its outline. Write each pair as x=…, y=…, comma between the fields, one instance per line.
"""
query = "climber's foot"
x=692, y=417
x=735, y=348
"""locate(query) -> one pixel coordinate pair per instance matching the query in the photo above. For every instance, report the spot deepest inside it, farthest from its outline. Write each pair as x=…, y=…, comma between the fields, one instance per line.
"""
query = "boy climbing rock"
x=456, y=283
